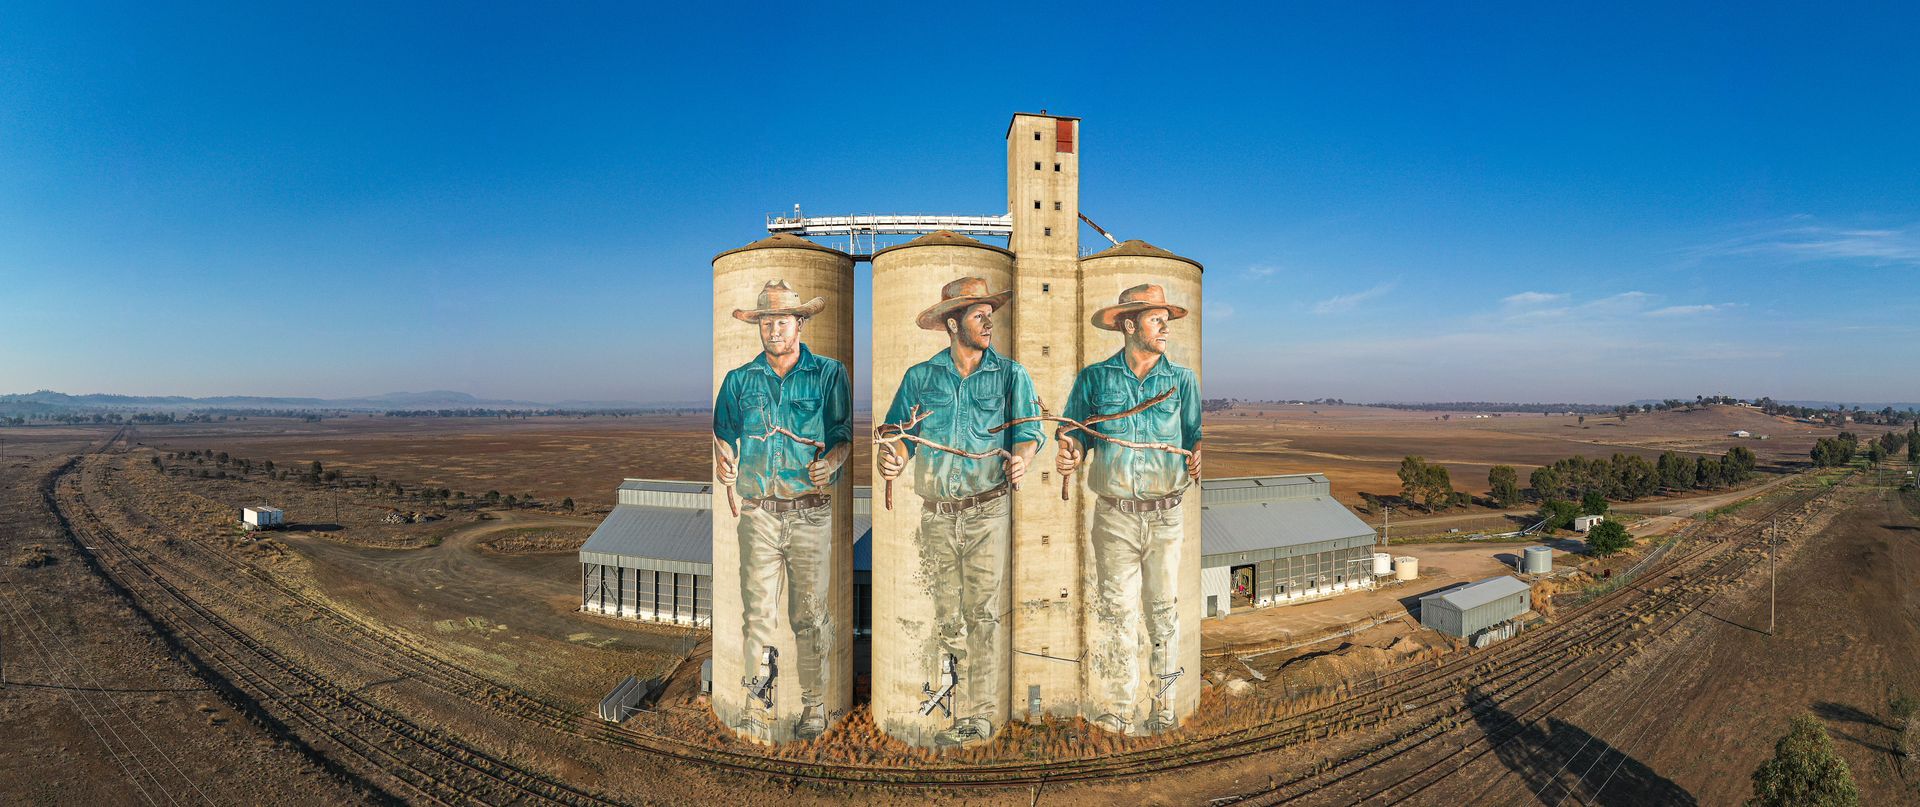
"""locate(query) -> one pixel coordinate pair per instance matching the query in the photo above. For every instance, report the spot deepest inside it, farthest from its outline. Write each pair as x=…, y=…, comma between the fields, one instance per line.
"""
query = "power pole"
x=1773, y=574
x=336, y=505
x=1386, y=531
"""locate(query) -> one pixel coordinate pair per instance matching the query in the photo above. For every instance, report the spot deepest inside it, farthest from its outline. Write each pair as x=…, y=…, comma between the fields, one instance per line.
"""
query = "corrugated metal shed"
x=1291, y=525
x=675, y=534
x=1468, y=609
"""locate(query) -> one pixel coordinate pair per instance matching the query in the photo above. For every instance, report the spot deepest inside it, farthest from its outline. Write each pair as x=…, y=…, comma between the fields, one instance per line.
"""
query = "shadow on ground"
x=1558, y=762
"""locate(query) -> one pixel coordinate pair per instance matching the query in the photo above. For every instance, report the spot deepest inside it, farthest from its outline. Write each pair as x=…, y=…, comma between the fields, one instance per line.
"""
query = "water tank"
x=916, y=286
x=1382, y=564
x=1406, y=567
x=1538, y=560
x=784, y=273
x=1115, y=282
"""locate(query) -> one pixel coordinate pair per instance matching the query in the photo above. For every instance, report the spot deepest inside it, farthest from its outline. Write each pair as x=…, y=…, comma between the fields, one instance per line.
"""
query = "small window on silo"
x=1046, y=231
x=1036, y=166
x=1056, y=166
x=1036, y=135
x=1056, y=205
x=1046, y=350
x=1036, y=204
x=1046, y=288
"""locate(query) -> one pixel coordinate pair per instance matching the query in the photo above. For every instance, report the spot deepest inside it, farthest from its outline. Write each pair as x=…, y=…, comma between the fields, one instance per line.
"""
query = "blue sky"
x=1487, y=202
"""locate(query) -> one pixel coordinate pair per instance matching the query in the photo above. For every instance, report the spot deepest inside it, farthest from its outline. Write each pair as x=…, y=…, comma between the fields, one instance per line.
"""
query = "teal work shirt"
x=1130, y=473
x=963, y=409
x=813, y=401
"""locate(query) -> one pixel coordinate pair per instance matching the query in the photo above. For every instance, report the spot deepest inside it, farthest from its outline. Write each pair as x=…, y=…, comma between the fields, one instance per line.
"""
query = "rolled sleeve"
x=1189, y=410
x=837, y=405
x=902, y=410
x=726, y=412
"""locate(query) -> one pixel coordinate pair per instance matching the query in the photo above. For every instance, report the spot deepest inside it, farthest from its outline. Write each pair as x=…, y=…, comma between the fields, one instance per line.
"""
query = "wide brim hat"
x=1144, y=297
x=959, y=296
x=778, y=299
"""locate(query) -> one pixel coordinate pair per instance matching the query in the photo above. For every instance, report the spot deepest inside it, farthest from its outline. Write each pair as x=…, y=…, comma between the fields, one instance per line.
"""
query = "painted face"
x=1148, y=330
x=976, y=326
x=780, y=335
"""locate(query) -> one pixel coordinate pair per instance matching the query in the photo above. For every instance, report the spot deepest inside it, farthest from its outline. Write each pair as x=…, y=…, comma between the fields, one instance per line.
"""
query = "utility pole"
x=1386, y=531
x=1773, y=574
x=336, y=505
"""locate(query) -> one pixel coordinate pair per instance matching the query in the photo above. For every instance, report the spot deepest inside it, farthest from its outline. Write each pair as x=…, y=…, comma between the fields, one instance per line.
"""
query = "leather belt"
x=1143, y=505
x=807, y=502
x=948, y=507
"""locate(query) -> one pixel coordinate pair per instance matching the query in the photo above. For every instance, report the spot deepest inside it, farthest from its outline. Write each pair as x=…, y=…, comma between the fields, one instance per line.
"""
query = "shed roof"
x=1253, y=526
x=686, y=535
x=1140, y=249
x=1478, y=593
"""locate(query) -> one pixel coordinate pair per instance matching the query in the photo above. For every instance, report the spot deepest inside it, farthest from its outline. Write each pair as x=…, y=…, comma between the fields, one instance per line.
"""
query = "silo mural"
x=782, y=434
x=1138, y=459
x=954, y=439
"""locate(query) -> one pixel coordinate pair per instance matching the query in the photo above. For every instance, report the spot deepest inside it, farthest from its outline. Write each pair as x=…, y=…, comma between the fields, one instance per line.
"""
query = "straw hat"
x=1144, y=297
x=777, y=299
x=957, y=296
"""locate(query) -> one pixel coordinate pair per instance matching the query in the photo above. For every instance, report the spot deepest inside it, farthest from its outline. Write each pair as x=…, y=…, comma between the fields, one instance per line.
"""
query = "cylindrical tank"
x=1119, y=286
x=1382, y=564
x=782, y=601
x=1406, y=567
x=941, y=576
x=1538, y=560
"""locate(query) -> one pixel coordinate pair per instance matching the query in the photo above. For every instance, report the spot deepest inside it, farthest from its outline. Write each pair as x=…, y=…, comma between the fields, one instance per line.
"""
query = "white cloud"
x=1257, y=272
x=1340, y=303
x=1883, y=247
x=1216, y=311
x=1531, y=298
x=1690, y=310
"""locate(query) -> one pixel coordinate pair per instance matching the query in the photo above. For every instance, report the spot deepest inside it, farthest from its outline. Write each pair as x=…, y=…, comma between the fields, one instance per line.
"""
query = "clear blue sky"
x=1394, y=202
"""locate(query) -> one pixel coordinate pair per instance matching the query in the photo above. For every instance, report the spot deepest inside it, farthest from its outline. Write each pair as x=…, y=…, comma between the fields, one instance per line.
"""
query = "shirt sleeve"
x=1079, y=409
x=726, y=412
x=1189, y=410
x=1024, y=403
x=901, y=410
x=837, y=408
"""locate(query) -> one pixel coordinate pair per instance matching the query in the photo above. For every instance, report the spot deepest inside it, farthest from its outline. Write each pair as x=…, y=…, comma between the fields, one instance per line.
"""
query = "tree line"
x=315, y=474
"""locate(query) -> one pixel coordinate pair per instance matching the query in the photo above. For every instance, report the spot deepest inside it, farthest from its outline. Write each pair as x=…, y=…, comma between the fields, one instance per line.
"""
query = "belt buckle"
x=1128, y=505
x=945, y=508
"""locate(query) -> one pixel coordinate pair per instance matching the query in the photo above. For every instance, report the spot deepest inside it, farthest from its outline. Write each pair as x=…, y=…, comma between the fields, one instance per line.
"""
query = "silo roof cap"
x=1140, y=249
x=945, y=238
x=784, y=241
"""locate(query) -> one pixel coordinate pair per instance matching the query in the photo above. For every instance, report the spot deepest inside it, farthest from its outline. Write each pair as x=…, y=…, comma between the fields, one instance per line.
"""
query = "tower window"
x=1045, y=539
x=1046, y=287
x=1036, y=135
x=1036, y=166
x=1046, y=231
x=1036, y=204
x=1056, y=166
x=1046, y=350
x=1056, y=205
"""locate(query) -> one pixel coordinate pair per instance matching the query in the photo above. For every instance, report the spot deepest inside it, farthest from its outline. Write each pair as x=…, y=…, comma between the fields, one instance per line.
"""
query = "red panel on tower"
x=1063, y=136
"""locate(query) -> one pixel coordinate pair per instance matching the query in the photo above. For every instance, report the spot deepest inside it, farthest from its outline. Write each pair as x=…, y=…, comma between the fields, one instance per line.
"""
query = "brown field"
x=494, y=593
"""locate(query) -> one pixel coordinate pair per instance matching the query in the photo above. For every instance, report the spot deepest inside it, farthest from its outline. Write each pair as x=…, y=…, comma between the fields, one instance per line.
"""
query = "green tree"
x=1413, y=477
x=1913, y=444
x=1504, y=483
x=1806, y=771
x=1593, y=504
x=1547, y=481
x=1608, y=537
x=1436, y=490
x=567, y=504
x=1906, y=715
x=1558, y=513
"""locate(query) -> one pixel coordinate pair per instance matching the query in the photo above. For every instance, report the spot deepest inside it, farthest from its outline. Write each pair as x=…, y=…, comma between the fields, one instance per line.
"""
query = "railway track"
x=1502, y=674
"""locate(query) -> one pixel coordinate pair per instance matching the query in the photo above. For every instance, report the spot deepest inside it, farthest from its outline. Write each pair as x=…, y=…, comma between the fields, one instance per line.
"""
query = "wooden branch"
x=895, y=433
x=1069, y=425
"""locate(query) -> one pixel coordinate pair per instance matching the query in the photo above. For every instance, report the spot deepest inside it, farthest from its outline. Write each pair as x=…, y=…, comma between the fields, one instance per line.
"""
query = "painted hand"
x=820, y=472
x=1193, y=463
x=1068, y=457
x=891, y=464
x=725, y=468
x=1016, y=466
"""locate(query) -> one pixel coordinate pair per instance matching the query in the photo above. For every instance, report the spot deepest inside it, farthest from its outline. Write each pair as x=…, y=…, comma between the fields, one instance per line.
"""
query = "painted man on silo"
x=1139, y=480
x=782, y=427
x=960, y=397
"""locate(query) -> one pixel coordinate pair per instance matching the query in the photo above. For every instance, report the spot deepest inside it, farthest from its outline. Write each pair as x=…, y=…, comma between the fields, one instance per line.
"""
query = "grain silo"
x=1143, y=608
x=783, y=546
x=942, y=526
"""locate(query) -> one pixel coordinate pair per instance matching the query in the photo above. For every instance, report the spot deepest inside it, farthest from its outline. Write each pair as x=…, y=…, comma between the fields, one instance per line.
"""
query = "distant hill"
x=49, y=402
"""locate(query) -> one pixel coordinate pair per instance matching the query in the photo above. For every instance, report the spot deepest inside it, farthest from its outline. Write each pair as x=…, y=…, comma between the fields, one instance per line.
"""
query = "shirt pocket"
x=989, y=408
x=936, y=401
x=804, y=411
x=1108, y=403
x=753, y=408
x=1166, y=417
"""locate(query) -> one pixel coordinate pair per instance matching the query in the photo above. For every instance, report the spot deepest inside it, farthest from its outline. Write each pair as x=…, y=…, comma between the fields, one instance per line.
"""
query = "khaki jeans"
x=964, y=556
x=1136, y=558
x=789, y=554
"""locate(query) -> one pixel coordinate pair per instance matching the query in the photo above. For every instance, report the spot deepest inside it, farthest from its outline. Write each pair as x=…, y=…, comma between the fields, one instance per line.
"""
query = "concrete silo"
x=941, y=549
x=782, y=602
x=1143, y=605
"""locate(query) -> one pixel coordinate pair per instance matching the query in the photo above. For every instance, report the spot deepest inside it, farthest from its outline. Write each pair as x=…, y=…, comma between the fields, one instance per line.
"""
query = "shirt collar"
x=989, y=360
x=807, y=363
x=1118, y=361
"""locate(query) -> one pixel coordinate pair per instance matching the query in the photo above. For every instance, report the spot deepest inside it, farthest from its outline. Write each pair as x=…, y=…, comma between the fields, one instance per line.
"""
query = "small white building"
x=1740, y=433
x=263, y=517
x=1585, y=523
